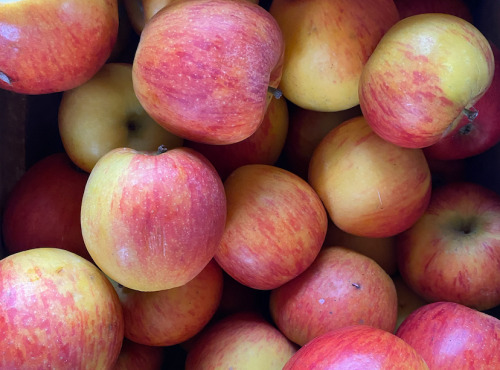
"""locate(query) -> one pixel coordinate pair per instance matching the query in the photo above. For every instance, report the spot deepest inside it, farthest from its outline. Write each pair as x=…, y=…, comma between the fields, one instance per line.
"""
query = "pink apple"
x=474, y=136
x=370, y=187
x=153, y=221
x=54, y=45
x=340, y=288
x=43, y=208
x=407, y=8
x=452, y=336
x=356, y=347
x=134, y=356
x=452, y=253
x=203, y=69
x=242, y=340
x=275, y=226
x=426, y=72
x=171, y=316
x=264, y=146
x=58, y=311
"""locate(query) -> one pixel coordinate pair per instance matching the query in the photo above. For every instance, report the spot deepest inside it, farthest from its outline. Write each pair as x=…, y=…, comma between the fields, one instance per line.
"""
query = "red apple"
x=426, y=72
x=264, y=146
x=452, y=336
x=54, y=45
x=153, y=221
x=452, y=253
x=275, y=226
x=370, y=187
x=474, y=136
x=327, y=43
x=242, y=340
x=356, y=347
x=134, y=356
x=407, y=8
x=169, y=317
x=203, y=68
x=58, y=311
x=340, y=288
x=43, y=208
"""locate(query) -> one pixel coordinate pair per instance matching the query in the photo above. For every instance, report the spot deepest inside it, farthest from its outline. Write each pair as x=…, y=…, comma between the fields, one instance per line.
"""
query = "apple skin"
x=408, y=300
x=449, y=335
x=153, y=221
x=264, y=146
x=208, y=80
x=340, y=288
x=356, y=347
x=275, y=227
x=452, y=253
x=369, y=186
x=43, y=208
x=135, y=356
x=54, y=45
x=171, y=316
x=103, y=114
x=235, y=341
x=421, y=76
x=459, y=8
x=58, y=311
x=327, y=44
x=474, y=137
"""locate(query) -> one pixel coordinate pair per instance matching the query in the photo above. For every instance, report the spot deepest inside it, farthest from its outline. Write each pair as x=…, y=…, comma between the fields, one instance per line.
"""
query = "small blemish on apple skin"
x=356, y=285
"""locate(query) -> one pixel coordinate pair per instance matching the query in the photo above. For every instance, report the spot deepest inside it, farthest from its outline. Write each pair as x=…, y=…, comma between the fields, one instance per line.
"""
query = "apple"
x=264, y=146
x=474, y=136
x=153, y=221
x=459, y=8
x=426, y=72
x=43, y=208
x=306, y=129
x=242, y=340
x=171, y=316
x=58, y=311
x=275, y=226
x=356, y=347
x=327, y=43
x=341, y=288
x=449, y=335
x=203, y=69
x=370, y=187
x=135, y=356
x=381, y=250
x=103, y=114
x=452, y=253
x=408, y=300
x=54, y=45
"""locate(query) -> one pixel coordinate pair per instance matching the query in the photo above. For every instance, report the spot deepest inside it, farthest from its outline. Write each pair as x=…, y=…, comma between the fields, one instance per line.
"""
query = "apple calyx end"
x=161, y=149
x=277, y=93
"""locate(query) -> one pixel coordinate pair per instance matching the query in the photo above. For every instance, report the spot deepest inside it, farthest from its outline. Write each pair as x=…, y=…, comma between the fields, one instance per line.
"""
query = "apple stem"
x=161, y=149
x=5, y=78
x=471, y=113
x=277, y=93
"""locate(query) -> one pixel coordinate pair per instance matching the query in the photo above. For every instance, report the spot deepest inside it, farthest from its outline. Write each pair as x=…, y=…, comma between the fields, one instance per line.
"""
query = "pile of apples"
x=274, y=185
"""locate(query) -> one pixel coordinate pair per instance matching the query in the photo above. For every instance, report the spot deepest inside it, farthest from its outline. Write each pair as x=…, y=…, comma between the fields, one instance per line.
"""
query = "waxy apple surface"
x=54, y=45
x=452, y=336
x=153, y=221
x=421, y=76
x=276, y=225
x=356, y=347
x=58, y=311
x=203, y=68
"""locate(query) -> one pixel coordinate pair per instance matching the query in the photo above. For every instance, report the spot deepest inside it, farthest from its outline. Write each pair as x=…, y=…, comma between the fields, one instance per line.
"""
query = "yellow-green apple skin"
x=58, y=311
x=327, y=43
x=171, y=316
x=244, y=340
x=264, y=146
x=369, y=186
x=153, y=221
x=203, y=68
x=54, y=45
x=408, y=300
x=275, y=227
x=103, y=114
x=341, y=288
x=423, y=73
